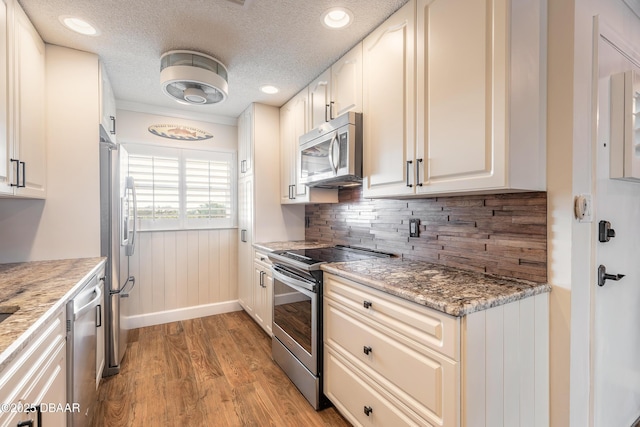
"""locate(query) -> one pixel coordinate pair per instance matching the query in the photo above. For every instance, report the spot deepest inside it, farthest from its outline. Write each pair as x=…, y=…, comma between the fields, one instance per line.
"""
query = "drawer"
x=16, y=376
x=350, y=392
x=432, y=328
x=424, y=380
x=263, y=259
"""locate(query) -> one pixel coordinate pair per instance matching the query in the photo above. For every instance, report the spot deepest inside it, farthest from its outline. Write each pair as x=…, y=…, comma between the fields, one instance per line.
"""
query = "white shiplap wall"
x=183, y=274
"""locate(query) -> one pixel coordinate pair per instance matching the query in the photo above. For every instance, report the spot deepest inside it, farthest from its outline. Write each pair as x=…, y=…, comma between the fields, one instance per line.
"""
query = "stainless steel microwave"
x=331, y=155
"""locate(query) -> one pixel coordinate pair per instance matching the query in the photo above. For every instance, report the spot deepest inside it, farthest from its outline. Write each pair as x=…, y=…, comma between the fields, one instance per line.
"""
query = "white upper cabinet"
x=245, y=143
x=319, y=93
x=6, y=147
x=388, y=105
x=22, y=115
x=107, y=104
x=346, y=83
x=337, y=90
x=479, y=104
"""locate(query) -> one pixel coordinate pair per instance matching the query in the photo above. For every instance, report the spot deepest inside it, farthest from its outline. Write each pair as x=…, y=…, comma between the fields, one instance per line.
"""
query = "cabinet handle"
x=368, y=410
x=367, y=304
x=409, y=163
x=113, y=125
x=98, y=315
x=17, y=184
x=24, y=175
x=326, y=114
x=331, y=110
x=367, y=350
x=243, y=235
x=243, y=166
x=418, y=183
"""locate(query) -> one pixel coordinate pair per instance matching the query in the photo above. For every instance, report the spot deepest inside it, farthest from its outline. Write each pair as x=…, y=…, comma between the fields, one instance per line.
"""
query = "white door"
x=616, y=325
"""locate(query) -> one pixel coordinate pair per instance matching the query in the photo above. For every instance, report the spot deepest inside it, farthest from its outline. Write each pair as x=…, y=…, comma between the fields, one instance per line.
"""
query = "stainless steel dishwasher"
x=83, y=317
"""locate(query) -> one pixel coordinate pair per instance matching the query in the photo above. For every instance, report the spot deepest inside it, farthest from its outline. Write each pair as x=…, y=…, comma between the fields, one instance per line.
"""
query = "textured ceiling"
x=278, y=42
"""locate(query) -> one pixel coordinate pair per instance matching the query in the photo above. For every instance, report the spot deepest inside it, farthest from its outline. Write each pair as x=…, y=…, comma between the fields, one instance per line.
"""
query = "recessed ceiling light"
x=337, y=17
x=269, y=89
x=79, y=25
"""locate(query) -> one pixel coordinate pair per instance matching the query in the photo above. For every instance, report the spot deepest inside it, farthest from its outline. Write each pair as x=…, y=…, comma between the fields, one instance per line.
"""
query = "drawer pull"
x=368, y=410
x=367, y=304
x=367, y=349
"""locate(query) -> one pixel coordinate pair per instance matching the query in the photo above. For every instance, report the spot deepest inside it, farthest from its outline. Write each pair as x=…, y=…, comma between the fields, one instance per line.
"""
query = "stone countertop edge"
x=8, y=354
x=427, y=284
x=291, y=245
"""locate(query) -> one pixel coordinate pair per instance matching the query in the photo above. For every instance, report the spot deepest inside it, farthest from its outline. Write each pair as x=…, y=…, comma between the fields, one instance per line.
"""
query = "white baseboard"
x=178, y=314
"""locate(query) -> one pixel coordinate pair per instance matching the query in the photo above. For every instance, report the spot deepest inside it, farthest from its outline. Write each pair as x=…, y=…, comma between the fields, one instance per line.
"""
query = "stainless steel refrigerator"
x=118, y=220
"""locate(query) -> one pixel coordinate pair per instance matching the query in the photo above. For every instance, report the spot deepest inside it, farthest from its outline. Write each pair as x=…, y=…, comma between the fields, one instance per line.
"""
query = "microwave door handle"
x=334, y=164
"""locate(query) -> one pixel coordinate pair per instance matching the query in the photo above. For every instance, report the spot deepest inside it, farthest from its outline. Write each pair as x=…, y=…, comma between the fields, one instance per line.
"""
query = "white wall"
x=559, y=203
x=67, y=223
x=185, y=273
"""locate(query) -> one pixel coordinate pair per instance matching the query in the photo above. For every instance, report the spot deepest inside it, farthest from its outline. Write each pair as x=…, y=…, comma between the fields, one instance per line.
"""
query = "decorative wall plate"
x=181, y=133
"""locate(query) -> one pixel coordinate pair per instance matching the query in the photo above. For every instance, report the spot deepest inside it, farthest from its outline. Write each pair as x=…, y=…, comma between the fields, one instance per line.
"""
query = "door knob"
x=603, y=276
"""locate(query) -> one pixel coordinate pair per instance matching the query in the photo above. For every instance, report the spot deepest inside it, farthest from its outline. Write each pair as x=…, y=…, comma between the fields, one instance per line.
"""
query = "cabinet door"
x=300, y=127
x=245, y=142
x=346, y=83
x=107, y=104
x=388, y=106
x=461, y=87
x=267, y=298
x=263, y=291
x=29, y=106
x=50, y=390
x=287, y=153
x=5, y=145
x=245, y=251
x=319, y=91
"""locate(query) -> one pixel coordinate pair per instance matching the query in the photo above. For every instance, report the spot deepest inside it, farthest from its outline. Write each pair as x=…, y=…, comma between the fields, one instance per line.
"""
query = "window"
x=183, y=188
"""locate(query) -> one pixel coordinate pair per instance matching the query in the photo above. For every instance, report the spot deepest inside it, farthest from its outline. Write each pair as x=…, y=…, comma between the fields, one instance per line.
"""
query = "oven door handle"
x=290, y=281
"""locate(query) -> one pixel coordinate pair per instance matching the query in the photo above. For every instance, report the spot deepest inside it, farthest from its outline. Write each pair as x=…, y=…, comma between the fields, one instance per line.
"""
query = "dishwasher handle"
x=90, y=305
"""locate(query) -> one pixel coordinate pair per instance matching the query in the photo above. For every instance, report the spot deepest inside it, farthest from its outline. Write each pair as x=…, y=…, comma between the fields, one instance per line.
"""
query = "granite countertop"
x=291, y=245
x=40, y=289
x=449, y=290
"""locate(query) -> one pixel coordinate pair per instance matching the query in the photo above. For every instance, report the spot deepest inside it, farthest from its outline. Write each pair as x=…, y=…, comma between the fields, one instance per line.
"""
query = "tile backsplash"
x=504, y=234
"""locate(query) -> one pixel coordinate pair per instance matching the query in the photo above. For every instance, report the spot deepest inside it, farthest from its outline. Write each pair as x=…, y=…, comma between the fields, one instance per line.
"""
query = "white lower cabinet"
x=37, y=377
x=263, y=292
x=389, y=361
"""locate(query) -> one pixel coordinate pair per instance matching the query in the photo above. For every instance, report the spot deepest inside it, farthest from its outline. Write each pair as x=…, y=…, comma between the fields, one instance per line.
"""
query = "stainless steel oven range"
x=297, y=313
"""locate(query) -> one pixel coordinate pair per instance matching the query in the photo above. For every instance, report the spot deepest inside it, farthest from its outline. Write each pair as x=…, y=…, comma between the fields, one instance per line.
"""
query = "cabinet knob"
x=367, y=304
x=367, y=350
x=368, y=410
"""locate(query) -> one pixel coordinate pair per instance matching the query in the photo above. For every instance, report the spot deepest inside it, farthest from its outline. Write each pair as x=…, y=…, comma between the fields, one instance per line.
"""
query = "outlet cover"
x=414, y=227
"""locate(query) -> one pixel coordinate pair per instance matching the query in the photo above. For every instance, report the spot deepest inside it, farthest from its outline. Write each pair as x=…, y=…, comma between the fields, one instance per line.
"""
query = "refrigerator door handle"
x=132, y=245
x=123, y=291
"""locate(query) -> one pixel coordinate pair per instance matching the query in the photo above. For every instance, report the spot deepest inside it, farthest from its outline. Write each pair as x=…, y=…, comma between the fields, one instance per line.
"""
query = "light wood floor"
x=212, y=371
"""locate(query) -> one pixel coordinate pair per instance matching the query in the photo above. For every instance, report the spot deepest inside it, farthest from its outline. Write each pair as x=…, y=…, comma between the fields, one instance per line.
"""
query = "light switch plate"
x=414, y=227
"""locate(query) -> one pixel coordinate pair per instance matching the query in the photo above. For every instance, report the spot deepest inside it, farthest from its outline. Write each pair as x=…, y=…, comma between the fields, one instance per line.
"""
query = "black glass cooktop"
x=314, y=257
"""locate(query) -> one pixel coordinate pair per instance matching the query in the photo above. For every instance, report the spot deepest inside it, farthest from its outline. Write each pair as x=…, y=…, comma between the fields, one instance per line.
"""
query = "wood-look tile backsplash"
x=504, y=234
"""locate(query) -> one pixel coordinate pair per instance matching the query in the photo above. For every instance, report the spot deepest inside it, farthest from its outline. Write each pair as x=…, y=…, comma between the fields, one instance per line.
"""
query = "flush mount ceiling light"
x=337, y=17
x=269, y=89
x=193, y=78
x=78, y=25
